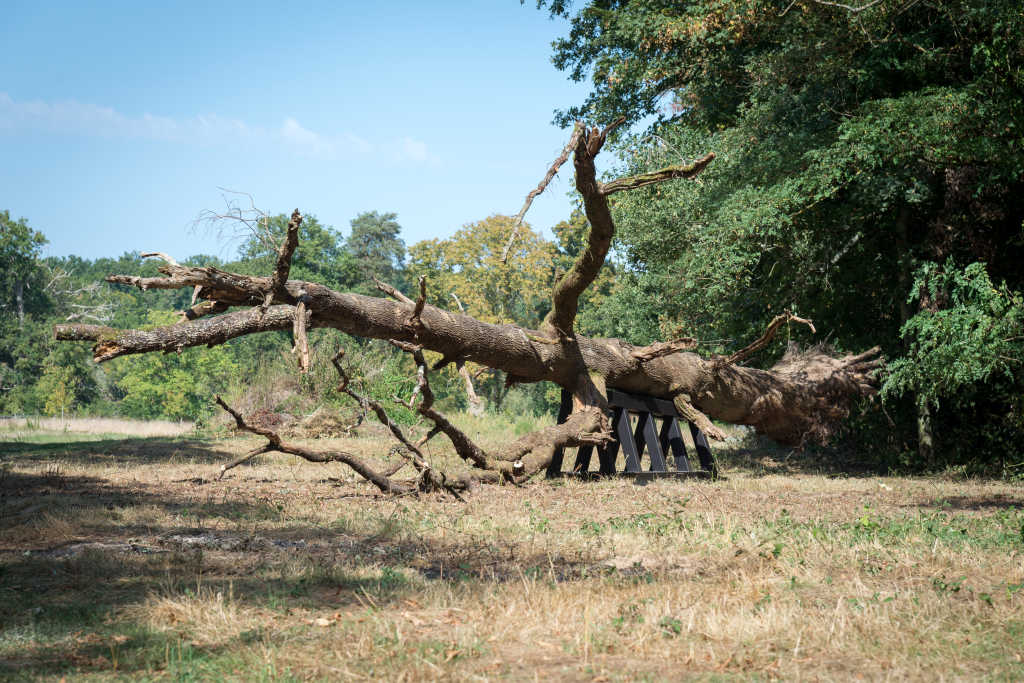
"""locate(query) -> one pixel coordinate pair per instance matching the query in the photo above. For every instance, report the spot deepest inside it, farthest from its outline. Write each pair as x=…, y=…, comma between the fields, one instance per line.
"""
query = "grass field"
x=124, y=556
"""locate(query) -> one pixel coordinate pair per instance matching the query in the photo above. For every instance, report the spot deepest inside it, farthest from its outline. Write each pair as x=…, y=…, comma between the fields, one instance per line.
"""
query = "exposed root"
x=803, y=397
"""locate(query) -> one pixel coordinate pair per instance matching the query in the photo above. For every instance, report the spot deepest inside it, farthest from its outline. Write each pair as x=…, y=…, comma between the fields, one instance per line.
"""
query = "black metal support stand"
x=635, y=440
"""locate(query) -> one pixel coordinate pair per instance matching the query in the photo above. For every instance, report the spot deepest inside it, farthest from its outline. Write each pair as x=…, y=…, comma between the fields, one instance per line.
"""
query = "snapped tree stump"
x=634, y=441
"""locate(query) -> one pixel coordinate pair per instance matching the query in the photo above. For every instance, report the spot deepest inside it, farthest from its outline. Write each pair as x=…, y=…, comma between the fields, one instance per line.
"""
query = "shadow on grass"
x=762, y=457
x=62, y=601
x=129, y=450
x=995, y=501
x=60, y=614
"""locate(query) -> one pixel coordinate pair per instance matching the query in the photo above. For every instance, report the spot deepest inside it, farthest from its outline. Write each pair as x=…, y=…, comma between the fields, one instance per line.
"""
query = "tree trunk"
x=19, y=299
x=802, y=397
x=925, y=425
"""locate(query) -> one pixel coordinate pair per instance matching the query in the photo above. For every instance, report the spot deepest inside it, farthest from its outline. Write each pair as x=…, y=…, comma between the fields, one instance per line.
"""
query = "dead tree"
x=800, y=398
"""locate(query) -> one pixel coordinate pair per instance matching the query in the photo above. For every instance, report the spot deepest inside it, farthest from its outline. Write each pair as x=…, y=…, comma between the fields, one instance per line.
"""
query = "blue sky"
x=120, y=121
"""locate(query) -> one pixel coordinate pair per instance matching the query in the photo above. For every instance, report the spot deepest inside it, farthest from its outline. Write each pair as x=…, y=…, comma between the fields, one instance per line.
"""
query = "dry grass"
x=129, y=558
x=20, y=427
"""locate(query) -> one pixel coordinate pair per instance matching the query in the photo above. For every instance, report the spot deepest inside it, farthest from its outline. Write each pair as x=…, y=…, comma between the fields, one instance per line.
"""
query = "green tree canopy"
x=376, y=245
x=321, y=255
x=21, y=279
x=857, y=146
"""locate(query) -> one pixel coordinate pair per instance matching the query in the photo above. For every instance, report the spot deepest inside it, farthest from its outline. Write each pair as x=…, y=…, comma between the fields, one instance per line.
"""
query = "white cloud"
x=314, y=144
x=408, y=150
x=90, y=120
x=414, y=149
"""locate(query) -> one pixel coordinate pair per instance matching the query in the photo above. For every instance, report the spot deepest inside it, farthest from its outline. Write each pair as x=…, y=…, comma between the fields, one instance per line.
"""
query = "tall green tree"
x=377, y=247
x=21, y=280
x=861, y=150
x=24, y=305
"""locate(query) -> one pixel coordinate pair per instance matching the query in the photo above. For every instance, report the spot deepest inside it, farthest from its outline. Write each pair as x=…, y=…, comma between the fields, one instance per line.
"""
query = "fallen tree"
x=800, y=398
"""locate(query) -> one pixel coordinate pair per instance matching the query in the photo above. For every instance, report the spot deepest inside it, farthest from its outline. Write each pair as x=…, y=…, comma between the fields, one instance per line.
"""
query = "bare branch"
x=284, y=258
x=159, y=254
x=111, y=342
x=430, y=479
x=464, y=446
x=849, y=8
x=577, y=131
x=246, y=219
x=661, y=175
x=773, y=327
x=662, y=349
x=300, y=338
x=204, y=308
x=703, y=422
x=276, y=444
x=565, y=298
x=392, y=292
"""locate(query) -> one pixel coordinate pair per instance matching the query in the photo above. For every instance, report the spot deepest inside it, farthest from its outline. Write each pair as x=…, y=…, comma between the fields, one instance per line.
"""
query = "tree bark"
x=19, y=302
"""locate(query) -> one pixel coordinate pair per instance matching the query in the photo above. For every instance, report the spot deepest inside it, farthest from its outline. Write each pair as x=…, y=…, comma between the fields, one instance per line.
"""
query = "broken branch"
x=276, y=444
x=662, y=349
x=392, y=292
x=284, y=258
x=661, y=175
x=300, y=338
x=577, y=131
x=703, y=422
x=415, y=322
x=773, y=327
x=476, y=406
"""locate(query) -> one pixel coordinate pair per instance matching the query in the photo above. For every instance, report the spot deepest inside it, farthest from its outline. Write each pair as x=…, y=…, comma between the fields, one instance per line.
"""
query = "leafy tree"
x=321, y=255
x=23, y=306
x=468, y=264
x=855, y=146
x=175, y=386
x=67, y=381
x=378, y=249
x=20, y=276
